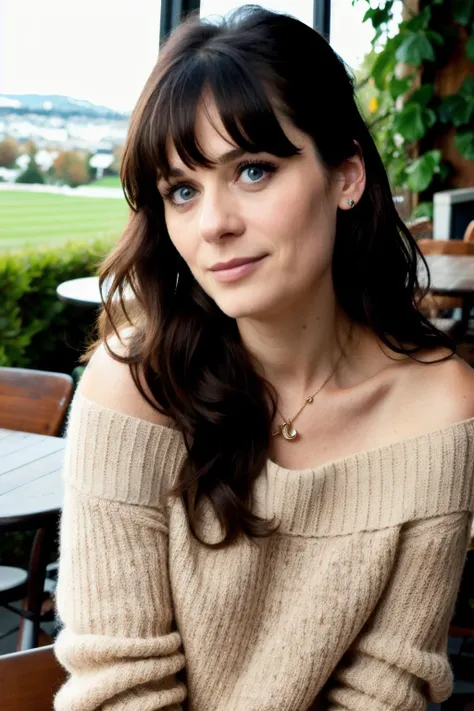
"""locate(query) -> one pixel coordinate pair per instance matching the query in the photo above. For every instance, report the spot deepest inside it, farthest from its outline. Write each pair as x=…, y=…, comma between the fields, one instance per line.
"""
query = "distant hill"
x=54, y=105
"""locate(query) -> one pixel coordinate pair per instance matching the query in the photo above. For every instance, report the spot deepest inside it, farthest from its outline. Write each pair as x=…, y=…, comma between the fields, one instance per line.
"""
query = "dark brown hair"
x=185, y=350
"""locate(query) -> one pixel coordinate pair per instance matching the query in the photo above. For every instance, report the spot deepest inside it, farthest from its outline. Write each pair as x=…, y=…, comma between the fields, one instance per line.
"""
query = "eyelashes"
x=265, y=165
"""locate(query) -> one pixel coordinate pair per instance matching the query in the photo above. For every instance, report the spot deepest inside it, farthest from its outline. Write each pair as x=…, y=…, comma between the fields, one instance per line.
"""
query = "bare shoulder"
x=441, y=391
x=109, y=383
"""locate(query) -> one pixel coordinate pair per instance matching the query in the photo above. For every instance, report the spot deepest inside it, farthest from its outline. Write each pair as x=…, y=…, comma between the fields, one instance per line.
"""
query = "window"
x=301, y=9
x=70, y=74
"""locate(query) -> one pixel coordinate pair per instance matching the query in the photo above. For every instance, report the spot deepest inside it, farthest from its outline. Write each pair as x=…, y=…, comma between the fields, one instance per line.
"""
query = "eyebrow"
x=224, y=159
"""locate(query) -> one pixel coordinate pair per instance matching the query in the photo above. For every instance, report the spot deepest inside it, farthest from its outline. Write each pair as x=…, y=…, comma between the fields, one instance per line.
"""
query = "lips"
x=238, y=262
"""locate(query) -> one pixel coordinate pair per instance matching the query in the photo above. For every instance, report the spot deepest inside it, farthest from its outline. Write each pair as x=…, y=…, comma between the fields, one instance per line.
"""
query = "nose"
x=219, y=216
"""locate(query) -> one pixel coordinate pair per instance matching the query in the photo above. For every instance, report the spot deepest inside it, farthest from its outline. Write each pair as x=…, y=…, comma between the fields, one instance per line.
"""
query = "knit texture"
x=346, y=608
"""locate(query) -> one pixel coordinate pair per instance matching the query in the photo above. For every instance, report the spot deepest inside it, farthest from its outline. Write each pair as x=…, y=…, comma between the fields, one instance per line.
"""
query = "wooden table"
x=31, y=494
x=30, y=478
x=453, y=276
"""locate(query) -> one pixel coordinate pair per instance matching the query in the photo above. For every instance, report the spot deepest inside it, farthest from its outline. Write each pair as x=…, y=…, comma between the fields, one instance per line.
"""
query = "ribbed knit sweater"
x=347, y=607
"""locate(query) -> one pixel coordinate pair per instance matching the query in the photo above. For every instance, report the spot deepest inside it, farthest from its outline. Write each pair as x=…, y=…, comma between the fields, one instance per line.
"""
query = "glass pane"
x=70, y=74
x=98, y=50
x=301, y=9
x=350, y=37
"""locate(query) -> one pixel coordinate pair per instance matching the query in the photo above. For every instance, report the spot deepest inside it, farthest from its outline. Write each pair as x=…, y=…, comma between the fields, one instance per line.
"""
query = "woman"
x=273, y=385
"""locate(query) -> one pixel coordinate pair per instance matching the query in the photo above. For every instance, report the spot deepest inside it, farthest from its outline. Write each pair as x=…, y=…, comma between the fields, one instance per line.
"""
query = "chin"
x=239, y=307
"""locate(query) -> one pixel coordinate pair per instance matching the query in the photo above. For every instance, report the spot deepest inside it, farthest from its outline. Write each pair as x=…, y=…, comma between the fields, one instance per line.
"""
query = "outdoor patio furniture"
x=85, y=292
x=453, y=275
x=31, y=493
x=33, y=405
x=447, y=325
x=422, y=228
x=469, y=233
x=29, y=680
x=34, y=400
x=436, y=301
x=80, y=292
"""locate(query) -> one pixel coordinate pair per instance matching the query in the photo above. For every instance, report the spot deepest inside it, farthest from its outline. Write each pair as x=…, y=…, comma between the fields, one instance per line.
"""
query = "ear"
x=352, y=180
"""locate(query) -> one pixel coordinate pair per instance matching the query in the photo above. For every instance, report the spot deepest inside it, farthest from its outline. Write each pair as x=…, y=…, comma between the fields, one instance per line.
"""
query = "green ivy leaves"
x=464, y=141
x=458, y=109
x=416, y=118
x=421, y=171
x=424, y=40
x=378, y=16
x=415, y=50
x=462, y=11
x=470, y=47
x=417, y=46
x=413, y=121
x=397, y=87
x=384, y=64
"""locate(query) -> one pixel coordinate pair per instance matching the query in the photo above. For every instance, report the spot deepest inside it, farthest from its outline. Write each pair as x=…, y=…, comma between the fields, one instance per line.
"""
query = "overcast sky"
x=103, y=50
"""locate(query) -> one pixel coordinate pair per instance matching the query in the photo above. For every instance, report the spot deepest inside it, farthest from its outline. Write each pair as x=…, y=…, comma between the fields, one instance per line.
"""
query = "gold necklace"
x=287, y=429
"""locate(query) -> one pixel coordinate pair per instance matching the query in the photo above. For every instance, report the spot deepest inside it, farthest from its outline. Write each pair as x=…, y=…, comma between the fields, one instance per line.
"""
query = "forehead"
x=210, y=134
x=213, y=139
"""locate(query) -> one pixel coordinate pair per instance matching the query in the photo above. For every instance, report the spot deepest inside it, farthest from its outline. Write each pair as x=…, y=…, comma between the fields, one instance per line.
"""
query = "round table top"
x=451, y=275
x=30, y=477
x=85, y=291
x=81, y=292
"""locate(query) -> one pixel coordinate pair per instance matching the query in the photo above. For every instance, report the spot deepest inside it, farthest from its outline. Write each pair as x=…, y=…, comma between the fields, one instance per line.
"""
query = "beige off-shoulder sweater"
x=347, y=607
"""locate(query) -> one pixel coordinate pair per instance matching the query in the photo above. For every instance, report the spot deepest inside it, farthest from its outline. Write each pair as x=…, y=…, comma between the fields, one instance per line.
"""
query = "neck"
x=297, y=348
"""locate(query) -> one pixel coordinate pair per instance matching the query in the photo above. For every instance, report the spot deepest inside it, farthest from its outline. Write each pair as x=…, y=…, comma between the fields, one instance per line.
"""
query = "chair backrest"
x=469, y=233
x=446, y=246
x=421, y=228
x=34, y=400
x=29, y=680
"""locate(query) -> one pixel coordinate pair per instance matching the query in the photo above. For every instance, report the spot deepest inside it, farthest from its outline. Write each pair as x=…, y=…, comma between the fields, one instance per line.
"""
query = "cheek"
x=303, y=219
x=180, y=238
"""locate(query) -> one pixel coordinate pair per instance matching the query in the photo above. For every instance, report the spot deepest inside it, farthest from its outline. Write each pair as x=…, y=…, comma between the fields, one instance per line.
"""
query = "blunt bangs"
x=243, y=103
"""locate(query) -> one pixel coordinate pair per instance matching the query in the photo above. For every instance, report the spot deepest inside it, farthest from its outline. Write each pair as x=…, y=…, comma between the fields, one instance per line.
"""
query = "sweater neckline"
x=348, y=459
x=273, y=467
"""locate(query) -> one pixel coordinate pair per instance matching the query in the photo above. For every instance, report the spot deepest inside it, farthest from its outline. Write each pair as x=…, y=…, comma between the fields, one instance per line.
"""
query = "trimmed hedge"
x=37, y=330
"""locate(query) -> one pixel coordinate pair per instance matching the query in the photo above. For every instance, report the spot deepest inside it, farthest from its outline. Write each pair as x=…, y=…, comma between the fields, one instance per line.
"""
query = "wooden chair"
x=455, y=247
x=432, y=304
x=421, y=228
x=32, y=401
x=29, y=680
x=469, y=233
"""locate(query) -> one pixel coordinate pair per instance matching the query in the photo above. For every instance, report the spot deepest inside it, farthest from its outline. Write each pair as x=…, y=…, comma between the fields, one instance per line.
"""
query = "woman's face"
x=277, y=215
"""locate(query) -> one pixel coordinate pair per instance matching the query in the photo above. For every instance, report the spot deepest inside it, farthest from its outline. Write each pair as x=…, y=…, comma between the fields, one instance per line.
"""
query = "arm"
x=118, y=641
x=399, y=660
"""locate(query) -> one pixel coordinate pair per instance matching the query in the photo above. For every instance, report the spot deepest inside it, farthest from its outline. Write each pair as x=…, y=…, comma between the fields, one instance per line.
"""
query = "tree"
x=32, y=174
x=9, y=152
x=30, y=147
x=71, y=168
x=92, y=172
x=117, y=162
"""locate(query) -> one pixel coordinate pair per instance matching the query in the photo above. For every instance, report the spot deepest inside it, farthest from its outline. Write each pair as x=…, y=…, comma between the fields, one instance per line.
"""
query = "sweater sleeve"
x=399, y=659
x=118, y=639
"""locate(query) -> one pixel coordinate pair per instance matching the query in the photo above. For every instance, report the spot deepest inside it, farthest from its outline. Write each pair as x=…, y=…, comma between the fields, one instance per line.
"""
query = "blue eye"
x=184, y=192
x=257, y=171
x=254, y=172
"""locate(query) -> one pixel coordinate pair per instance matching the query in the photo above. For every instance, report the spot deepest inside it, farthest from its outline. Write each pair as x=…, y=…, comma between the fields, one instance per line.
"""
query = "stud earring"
x=351, y=202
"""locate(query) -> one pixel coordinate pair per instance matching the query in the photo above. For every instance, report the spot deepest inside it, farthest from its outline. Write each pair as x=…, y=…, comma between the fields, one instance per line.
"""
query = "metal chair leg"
x=28, y=634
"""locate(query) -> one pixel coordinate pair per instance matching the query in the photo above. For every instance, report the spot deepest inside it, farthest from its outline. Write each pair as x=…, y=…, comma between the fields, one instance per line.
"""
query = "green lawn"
x=40, y=219
x=110, y=181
